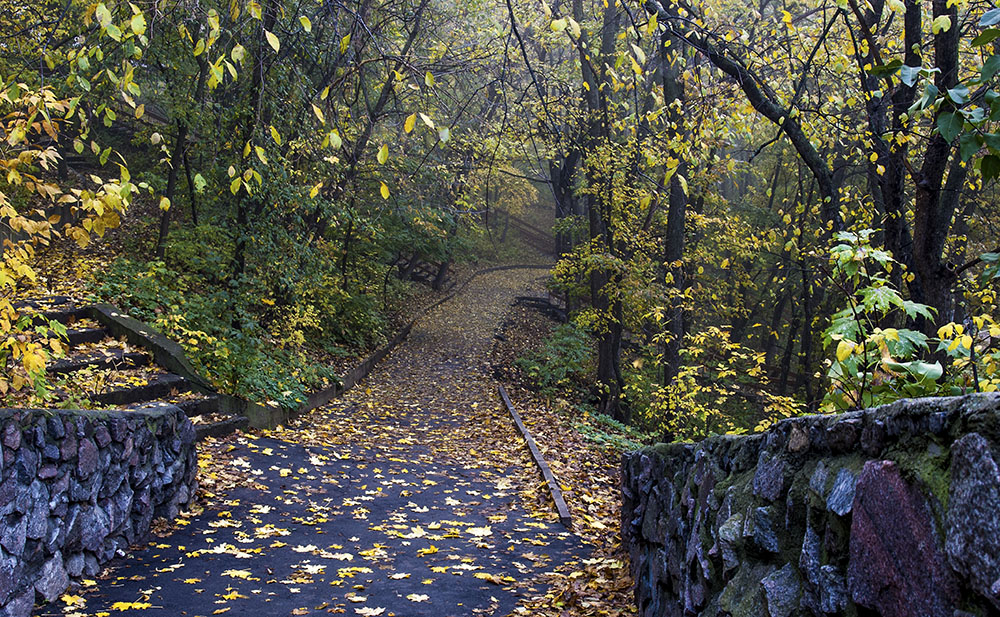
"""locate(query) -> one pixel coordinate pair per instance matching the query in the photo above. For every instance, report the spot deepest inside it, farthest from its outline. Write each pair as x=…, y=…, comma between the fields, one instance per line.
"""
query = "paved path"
x=406, y=497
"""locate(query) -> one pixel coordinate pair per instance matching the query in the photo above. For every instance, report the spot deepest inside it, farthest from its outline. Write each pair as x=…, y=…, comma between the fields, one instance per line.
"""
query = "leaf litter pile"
x=411, y=495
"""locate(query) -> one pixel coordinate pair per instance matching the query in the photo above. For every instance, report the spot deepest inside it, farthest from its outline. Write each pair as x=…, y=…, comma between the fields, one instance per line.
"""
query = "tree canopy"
x=761, y=208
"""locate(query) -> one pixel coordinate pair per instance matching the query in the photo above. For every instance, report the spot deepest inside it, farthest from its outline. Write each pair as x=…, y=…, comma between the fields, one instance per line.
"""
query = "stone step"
x=200, y=406
x=121, y=359
x=159, y=387
x=221, y=428
x=65, y=314
x=42, y=304
x=86, y=335
x=53, y=308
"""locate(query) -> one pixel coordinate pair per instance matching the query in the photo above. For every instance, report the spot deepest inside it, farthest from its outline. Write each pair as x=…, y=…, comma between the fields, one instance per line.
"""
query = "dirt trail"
x=401, y=498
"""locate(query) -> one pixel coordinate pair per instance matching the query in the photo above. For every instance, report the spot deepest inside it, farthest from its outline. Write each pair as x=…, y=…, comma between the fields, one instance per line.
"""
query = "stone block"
x=973, y=520
x=897, y=564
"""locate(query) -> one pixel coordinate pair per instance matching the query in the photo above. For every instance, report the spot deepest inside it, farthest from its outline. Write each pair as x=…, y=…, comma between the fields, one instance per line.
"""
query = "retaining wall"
x=892, y=511
x=78, y=487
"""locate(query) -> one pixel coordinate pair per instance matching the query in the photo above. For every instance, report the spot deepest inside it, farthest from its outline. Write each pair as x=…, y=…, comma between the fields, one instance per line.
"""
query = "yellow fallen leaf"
x=488, y=577
x=72, y=600
x=128, y=606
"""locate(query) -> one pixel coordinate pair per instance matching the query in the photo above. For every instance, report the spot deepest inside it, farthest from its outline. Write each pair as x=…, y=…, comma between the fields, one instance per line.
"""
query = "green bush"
x=562, y=363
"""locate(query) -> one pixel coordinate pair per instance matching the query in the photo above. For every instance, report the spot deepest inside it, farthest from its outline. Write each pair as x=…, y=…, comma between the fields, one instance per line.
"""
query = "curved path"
x=411, y=495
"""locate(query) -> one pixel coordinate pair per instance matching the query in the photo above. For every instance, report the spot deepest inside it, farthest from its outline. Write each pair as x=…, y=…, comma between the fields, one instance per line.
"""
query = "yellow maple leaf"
x=127, y=606
x=72, y=600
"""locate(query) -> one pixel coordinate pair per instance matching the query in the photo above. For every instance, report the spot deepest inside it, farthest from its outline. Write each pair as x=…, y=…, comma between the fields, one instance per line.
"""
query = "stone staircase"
x=115, y=362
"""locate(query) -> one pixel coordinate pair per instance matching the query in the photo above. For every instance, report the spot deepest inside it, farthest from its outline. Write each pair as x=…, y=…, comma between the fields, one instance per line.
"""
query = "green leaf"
x=926, y=99
x=990, y=67
x=114, y=32
x=912, y=309
x=989, y=18
x=199, y=183
x=969, y=144
x=959, y=95
x=444, y=134
x=986, y=36
x=889, y=68
x=881, y=298
x=989, y=167
x=909, y=342
x=383, y=154
x=949, y=124
x=909, y=74
x=922, y=370
x=306, y=24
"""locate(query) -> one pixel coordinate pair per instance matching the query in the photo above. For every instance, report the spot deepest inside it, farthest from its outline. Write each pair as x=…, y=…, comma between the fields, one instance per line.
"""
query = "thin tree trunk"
x=191, y=189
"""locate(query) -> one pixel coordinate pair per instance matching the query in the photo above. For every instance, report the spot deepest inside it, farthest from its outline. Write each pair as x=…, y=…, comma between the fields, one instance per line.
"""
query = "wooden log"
x=550, y=480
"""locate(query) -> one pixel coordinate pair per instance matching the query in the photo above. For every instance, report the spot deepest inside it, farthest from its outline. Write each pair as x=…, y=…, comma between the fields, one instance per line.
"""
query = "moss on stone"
x=927, y=466
x=742, y=596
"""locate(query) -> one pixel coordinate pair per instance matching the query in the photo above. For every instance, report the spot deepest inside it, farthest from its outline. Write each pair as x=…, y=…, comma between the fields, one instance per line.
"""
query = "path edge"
x=270, y=417
x=550, y=480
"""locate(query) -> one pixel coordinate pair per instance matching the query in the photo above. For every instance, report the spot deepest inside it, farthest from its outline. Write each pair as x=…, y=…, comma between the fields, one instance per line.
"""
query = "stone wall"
x=78, y=487
x=892, y=511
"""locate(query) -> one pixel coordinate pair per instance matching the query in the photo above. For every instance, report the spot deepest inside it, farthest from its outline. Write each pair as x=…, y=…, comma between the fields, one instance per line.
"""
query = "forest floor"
x=411, y=495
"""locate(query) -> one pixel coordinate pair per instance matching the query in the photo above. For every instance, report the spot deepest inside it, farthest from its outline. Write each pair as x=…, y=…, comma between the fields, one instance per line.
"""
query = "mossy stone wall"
x=77, y=488
x=892, y=511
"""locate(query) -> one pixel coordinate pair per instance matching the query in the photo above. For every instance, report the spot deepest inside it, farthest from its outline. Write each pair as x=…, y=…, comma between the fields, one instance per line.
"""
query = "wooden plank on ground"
x=536, y=454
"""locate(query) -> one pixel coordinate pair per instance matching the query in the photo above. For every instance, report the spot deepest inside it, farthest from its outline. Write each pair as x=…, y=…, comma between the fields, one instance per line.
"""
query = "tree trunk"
x=191, y=189
x=175, y=160
x=179, y=155
x=673, y=254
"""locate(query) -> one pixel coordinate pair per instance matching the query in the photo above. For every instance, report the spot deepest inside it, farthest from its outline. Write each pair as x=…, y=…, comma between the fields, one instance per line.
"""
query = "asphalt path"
x=409, y=496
